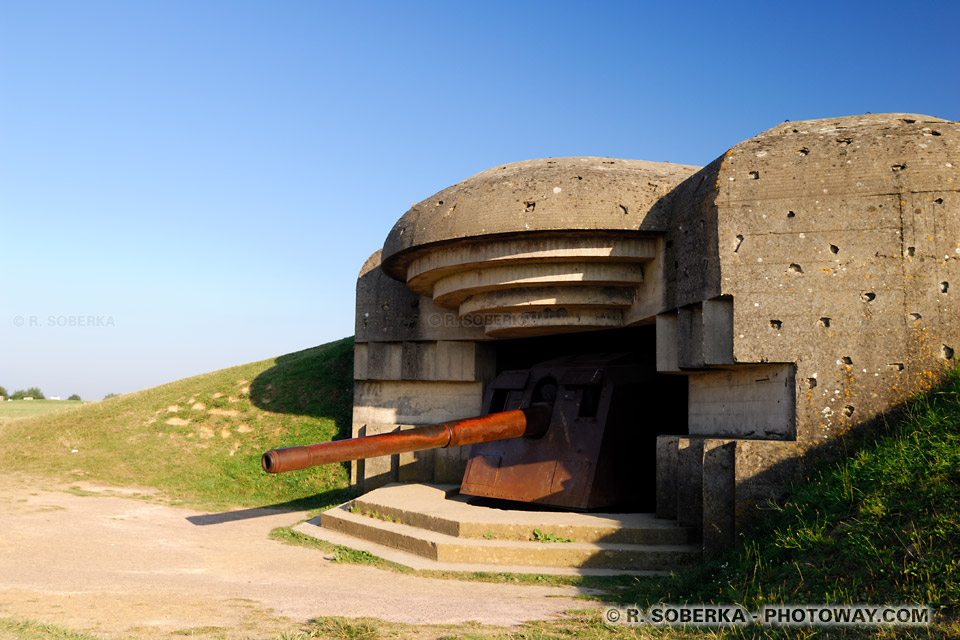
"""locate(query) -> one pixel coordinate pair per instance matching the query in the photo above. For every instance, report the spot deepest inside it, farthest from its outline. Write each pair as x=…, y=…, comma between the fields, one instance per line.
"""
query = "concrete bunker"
x=793, y=289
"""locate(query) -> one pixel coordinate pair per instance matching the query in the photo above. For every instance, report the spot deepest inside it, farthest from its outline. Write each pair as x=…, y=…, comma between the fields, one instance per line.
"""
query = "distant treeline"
x=32, y=392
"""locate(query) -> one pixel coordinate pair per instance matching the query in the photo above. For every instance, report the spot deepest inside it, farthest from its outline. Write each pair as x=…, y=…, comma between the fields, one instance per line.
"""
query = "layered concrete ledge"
x=430, y=527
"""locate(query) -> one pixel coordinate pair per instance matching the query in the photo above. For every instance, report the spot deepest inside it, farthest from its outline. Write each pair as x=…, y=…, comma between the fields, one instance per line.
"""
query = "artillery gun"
x=568, y=433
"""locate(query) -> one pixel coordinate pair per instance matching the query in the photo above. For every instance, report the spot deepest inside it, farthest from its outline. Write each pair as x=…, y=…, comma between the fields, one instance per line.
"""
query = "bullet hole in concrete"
x=844, y=142
x=934, y=133
x=939, y=200
x=796, y=268
x=895, y=366
x=811, y=383
x=834, y=249
x=439, y=203
x=946, y=352
x=739, y=242
x=846, y=360
x=909, y=120
x=824, y=322
x=755, y=175
x=776, y=324
x=944, y=286
x=623, y=209
x=915, y=317
x=848, y=410
x=796, y=131
x=868, y=296
x=900, y=166
x=529, y=206
x=911, y=251
x=803, y=152
x=791, y=214
x=577, y=178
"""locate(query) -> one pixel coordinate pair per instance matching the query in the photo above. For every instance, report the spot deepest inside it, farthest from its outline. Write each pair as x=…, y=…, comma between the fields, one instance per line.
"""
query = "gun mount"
x=567, y=433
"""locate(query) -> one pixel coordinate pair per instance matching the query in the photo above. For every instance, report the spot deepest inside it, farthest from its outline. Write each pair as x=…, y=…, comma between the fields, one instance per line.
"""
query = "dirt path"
x=115, y=565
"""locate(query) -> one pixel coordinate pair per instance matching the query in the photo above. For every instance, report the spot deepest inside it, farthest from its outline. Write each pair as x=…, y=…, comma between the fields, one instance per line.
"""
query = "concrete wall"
x=414, y=364
x=834, y=239
x=750, y=402
x=836, y=243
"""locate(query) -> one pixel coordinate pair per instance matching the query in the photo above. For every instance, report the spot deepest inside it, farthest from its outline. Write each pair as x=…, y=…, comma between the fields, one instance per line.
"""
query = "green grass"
x=33, y=630
x=199, y=440
x=15, y=409
x=540, y=536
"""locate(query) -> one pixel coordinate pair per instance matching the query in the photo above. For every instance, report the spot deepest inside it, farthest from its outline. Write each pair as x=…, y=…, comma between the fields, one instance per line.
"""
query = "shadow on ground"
x=315, y=382
x=322, y=501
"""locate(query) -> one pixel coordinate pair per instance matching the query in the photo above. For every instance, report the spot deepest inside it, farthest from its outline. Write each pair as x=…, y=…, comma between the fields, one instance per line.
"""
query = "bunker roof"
x=545, y=195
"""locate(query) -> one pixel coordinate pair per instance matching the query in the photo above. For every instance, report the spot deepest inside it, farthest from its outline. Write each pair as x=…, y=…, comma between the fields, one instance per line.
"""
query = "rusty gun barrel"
x=532, y=421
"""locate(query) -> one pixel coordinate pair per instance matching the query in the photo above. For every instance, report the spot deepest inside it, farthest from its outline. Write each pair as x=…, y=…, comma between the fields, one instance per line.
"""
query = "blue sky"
x=197, y=184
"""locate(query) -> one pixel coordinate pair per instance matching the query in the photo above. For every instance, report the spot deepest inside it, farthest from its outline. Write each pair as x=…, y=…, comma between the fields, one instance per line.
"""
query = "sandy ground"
x=113, y=565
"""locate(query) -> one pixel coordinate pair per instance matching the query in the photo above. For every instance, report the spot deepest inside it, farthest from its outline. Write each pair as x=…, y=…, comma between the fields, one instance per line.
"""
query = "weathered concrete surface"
x=834, y=239
x=439, y=508
x=433, y=524
x=537, y=283
x=414, y=364
x=388, y=311
x=835, y=243
x=548, y=195
x=750, y=402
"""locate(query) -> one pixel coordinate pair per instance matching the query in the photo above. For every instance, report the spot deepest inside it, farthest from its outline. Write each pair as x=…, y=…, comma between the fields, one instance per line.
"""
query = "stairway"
x=433, y=527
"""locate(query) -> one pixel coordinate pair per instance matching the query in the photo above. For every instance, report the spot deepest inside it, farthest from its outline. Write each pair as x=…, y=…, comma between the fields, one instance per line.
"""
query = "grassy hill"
x=199, y=440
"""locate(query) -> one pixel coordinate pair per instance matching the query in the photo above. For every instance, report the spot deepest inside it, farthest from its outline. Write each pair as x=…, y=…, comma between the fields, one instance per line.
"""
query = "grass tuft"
x=34, y=630
x=541, y=536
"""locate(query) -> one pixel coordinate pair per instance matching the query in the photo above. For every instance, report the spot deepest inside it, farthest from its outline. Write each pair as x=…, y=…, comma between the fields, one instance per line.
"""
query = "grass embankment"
x=16, y=409
x=199, y=440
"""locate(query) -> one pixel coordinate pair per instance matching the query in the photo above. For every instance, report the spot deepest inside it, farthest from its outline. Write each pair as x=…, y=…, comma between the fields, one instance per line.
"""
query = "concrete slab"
x=439, y=508
x=431, y=527
x=313, y=529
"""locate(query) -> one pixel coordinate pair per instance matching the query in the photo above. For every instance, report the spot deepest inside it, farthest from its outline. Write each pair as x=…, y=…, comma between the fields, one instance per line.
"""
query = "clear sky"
x=196, y=184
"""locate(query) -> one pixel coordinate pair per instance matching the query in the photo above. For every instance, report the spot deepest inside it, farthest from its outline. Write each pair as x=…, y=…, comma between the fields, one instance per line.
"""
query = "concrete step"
x=441, y=547
x=440, y=509
x=313, y=529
